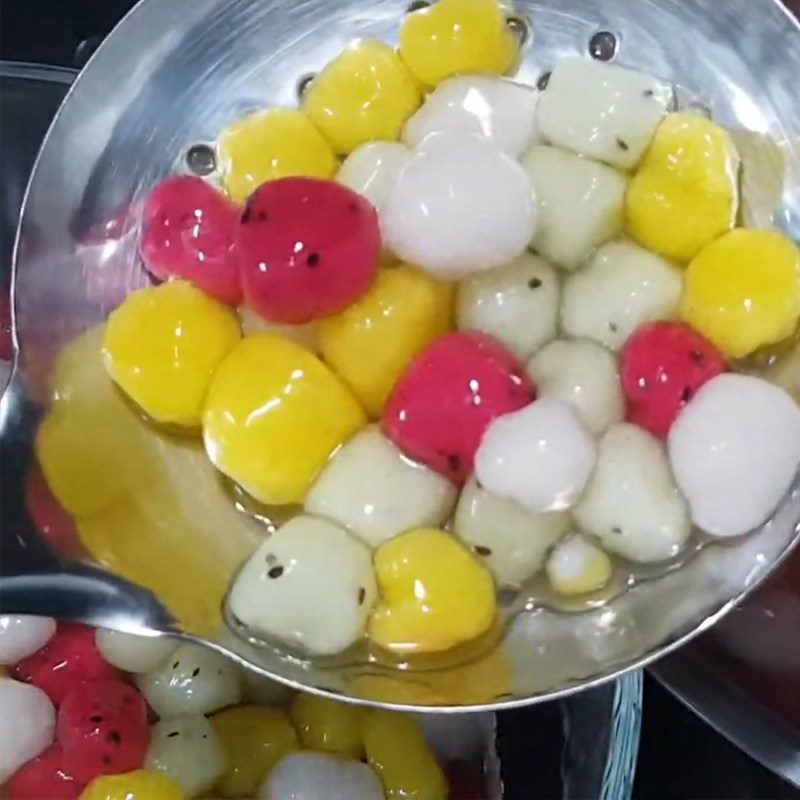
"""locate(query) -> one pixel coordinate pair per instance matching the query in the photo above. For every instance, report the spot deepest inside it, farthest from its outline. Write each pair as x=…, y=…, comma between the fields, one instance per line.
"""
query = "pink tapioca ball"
x=44, y=778
x=447, y=397
x=307, y=248
x=102, y=729
x=662, y=366
x=188, y=230
x=70, y=657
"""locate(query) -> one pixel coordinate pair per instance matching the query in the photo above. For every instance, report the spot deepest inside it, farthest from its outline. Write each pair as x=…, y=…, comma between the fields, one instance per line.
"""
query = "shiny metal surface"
x=733, y=713
x=171, y=75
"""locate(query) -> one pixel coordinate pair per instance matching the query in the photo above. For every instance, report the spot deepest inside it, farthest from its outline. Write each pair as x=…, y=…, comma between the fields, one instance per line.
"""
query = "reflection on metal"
x=733, y=713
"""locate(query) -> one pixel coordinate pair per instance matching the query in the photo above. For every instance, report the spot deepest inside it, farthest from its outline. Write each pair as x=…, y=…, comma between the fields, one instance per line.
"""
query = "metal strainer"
x=167, y=80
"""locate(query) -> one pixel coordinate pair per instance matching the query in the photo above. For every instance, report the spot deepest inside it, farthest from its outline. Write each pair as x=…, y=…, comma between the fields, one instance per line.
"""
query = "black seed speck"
x=453, y=462
x=195, y=672
x=176, y=664
x=698, y=356
x=612, y=326
x=114, y=737
x=205, y=736
x=173, y=734
x=482, y=550
x=544, y=79
x=534, y=283
x=686, y=394
x=313, y=259
x=275, y=572
x=96, y=719
x=417, y=5
x=362, y=593
x=648, y=92
x=622, y=144
x=616, y=529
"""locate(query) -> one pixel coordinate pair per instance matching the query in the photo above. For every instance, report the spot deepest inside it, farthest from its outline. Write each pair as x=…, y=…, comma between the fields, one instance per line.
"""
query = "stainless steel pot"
x=171, y=75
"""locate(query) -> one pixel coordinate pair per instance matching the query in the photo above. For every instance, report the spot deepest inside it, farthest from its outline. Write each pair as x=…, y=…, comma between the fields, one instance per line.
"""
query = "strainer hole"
x=303, y=84
x=544, y=79
x=201, y=159
x=520, y=27
x=604, y=46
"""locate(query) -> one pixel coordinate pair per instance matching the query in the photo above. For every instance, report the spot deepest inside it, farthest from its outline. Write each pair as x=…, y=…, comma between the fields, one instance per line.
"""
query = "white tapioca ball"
x=27, y=724
x=631, y=503
x=305, y=335
x=516, y=303
x=509, y=539
x=622, y=287
x=312, y=776
x=311, y=585
x=133, y=653
x=498, y=109
x=735, y=450
x=584, y=374
x=459, y=206
x=193, y=680
x=601, y=110
x=540, y=456
x=372, y=169
x=20, y=636
x=188, y=750
x=373, y=490
x=577, y=566
x=580, y=204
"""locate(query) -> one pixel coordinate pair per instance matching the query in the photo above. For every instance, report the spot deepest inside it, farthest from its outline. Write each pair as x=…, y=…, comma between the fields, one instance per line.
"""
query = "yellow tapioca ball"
x=253, y=738
x=684, y=194
x=370, y=343
x=162, y=345
x=274, y=413
x=141, y=784
x=398, y=752
x=277, y=143
x=88, y=443
x=743, y=290
x=434, y=593
x=327, y=725
x=365, y=94
x=455, y=37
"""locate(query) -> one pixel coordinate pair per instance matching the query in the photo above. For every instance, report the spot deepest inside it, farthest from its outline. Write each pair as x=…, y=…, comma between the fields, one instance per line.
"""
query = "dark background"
x=680, y=757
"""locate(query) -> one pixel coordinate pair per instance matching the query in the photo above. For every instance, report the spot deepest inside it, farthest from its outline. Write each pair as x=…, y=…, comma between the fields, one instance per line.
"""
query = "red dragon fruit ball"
x=71, y=656
x=307, y=248
x=663, y=365
x=44, y=777
x=188, y=230
x=445, y=400
x=102, y=729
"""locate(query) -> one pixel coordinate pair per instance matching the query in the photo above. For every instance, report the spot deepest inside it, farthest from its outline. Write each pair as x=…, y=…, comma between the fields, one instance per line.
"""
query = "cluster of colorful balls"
x=538, y=298
x=99, y=715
